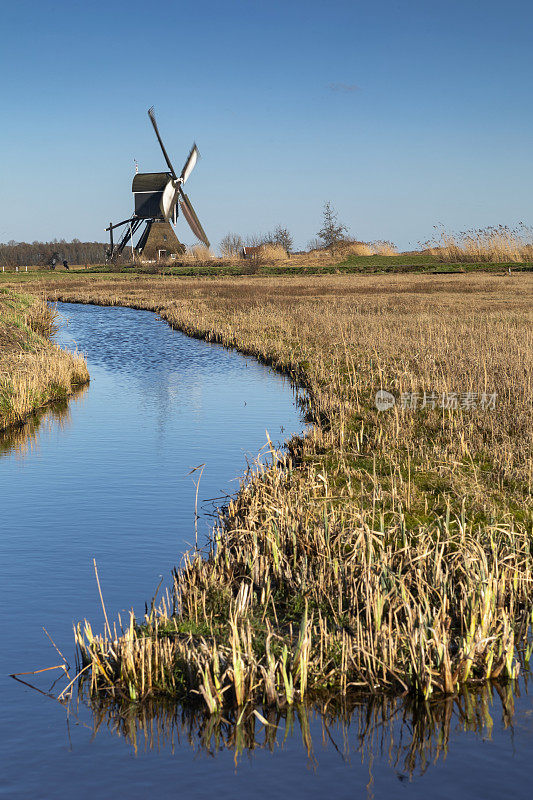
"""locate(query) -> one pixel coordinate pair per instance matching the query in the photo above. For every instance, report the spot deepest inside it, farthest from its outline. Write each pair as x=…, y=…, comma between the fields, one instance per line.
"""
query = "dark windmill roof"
x=150, y=181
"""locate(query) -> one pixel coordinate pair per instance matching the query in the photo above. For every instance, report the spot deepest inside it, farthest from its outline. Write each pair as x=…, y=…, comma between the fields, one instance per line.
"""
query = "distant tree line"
x=19, y=254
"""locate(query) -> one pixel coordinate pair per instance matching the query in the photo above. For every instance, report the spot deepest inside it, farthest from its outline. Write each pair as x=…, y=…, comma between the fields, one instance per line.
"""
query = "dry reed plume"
x=384, y=248
x=385, y=550
x=496, y=244
x=33, y=370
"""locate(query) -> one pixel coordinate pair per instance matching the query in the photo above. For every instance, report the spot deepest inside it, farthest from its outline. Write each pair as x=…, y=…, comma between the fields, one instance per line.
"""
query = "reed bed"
x=33, y=370
x=386, y=551
x=496, y=244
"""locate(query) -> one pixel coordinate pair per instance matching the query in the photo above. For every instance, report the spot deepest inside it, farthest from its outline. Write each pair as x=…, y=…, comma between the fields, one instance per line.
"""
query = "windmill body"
x=157, y=198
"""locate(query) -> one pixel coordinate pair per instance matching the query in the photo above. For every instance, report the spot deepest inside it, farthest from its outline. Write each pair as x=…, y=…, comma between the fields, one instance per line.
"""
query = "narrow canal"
x=107, y=476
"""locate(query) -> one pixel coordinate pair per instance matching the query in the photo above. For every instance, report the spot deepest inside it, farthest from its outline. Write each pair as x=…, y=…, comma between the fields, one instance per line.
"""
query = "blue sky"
x=402, y=114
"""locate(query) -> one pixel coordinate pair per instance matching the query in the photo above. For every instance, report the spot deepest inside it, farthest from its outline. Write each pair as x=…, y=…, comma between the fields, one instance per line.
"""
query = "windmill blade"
x=190, y=163
x=190, y=215
x=159, y=139
x=169, y=198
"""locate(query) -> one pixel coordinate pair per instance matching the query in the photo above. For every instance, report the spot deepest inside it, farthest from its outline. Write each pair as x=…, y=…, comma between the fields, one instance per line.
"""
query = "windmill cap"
x=150, y=181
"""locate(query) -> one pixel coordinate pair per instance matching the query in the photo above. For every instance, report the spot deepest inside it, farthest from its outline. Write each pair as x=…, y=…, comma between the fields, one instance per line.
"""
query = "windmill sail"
x=169, y=198
x=159, y=139
x=190, y=163
x=192, y=219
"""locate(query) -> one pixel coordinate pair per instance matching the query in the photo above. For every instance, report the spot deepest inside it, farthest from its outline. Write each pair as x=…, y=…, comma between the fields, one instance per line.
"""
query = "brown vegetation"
x=33, y=371
x=271, y=253
x=199, y=253
x=377, y=248
x=495, y=244
x=384, y=551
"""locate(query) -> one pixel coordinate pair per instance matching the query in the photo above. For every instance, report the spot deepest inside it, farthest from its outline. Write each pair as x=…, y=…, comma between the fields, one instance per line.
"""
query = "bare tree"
x=332, y=231
x=231, y=245
x=279, y=236
x=257, y=239
x=283, y=237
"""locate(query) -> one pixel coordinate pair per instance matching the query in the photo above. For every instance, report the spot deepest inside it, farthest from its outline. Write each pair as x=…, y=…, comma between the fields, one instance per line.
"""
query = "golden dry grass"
x=197, y=253
x=356, y=249
x=378, y=248
x=33, y=370
x=271, y=253
x=386, y=550
x=495, y=244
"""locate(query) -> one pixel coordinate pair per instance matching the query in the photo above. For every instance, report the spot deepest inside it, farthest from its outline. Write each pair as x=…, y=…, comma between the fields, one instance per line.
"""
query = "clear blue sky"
x=403, y=114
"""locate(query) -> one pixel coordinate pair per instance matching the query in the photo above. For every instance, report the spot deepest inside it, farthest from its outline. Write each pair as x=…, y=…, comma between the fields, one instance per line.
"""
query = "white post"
x=26, y=269
x=17, y=269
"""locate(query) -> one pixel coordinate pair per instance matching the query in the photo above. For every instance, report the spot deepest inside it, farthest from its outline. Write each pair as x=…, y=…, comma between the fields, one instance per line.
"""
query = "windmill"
x=157, y=197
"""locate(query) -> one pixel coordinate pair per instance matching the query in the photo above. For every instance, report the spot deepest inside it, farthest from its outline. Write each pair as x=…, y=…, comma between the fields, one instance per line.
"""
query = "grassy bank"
x=33, y=370
x=319, y=262
x=388, y=550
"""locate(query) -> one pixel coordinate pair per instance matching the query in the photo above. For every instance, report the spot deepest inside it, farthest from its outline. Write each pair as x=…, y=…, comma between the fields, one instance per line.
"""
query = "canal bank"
x=346, y=555
x=33, y=370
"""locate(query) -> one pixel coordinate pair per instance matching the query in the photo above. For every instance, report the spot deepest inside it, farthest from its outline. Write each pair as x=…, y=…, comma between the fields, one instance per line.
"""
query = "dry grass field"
x=33, y=371
x=387, y=550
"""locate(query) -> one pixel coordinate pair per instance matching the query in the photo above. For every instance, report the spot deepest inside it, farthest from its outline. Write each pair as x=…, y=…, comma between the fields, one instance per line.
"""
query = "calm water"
x=105, y=477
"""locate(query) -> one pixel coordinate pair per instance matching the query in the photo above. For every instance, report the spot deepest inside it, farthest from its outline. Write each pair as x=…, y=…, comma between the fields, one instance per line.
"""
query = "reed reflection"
x=409, y=736
x=23, y=439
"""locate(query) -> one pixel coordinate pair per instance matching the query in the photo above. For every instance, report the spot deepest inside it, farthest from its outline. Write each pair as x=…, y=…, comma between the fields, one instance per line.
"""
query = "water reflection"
x=409, y=736
x=22, y=440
